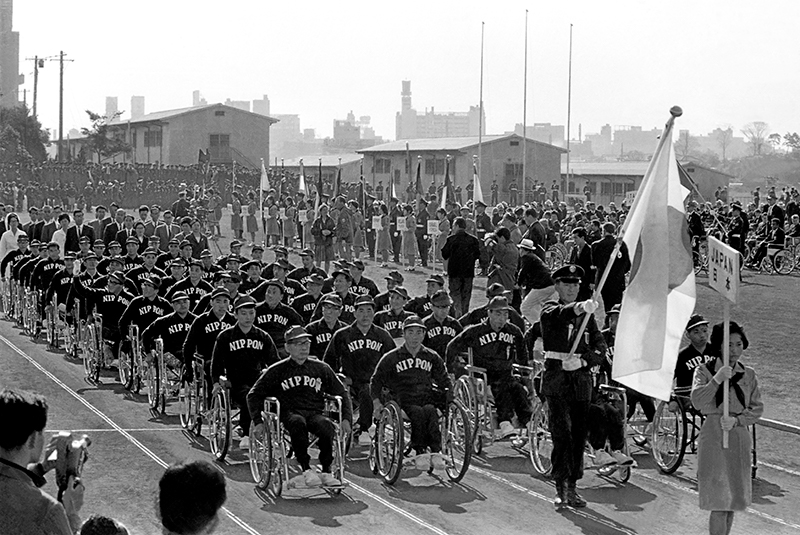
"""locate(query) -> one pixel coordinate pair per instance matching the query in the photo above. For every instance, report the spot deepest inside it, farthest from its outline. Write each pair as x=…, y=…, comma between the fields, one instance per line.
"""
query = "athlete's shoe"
x=506, y=429
x=244, y=444
x=602, y=458
x=574, y=499
x=437, y=461
x=329, y=480
x=422, y=462
x=621, y=458
x=311, y=478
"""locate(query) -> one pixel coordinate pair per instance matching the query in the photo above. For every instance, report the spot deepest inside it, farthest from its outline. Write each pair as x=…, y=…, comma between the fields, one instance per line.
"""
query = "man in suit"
x=614, y=286
x=127, y=229
x=113, y=227
x=48, y=225
x=154, y=222
x=144, y=217
x=166, y=230
x=78, y=231
x=581, y=255
x=28, y=227
x=100, y=222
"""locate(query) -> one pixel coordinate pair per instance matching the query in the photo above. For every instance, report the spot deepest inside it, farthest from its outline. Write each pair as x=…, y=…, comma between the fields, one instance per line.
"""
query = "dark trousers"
x=568, y=430
x=370, y=243
x=422, y=246
x=239, y=399
x=509, y=398
x=299, y=424
x=612, y=295
x=646, y=402
x=360, y=394
x=461, y=293
x=425, y=432
x=606, y=423
x=397, y=241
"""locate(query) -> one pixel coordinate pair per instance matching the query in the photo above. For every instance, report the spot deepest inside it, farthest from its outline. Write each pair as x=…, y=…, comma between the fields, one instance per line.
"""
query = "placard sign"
x=723, y=269
x=302, y=214
x=433, y=227
x=376, y=222
x=401, y=224
x=283, y=213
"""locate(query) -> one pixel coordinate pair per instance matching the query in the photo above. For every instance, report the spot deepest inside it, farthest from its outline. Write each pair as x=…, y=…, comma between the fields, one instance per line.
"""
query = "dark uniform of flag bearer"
x=300, y=383
x=409, y=374
x=496, y=345
x=567, y=381
x=241, y=353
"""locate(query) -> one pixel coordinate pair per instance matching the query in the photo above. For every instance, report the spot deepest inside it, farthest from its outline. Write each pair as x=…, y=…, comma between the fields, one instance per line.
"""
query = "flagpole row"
x=675, y=111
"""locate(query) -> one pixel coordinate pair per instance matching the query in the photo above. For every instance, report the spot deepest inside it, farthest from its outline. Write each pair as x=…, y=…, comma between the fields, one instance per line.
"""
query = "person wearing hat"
x=44, y=272
x=99, y=249
x=257, y=253
x=614, y=285
x=194, y=285
x=341, y=287
x=132, y=258
x=362, y=285
x=421, y=305
x=235, y=249
x=355, y=351
x=697, y=231
x=203, y=333
x=177, y=271
x=110, y=302
x=483, y=226
x=496, y=345
x=60, y=285
x=13, y=255
x=84, y=247
x=282, y=257
x=145, y=308
x=172, y=328
x=186, y=250
x=303, y=273
x=252, y=270
x=440, y=326
x=461, y=250
x=393, y=279
x=114, y=250
x=504, y=256
x=274, y=316
x=209, y=268
x=774, y=240
x=322, y=330
x=695, y=354
x=479, y=314
x=581, y=255
x=322, y=230
x=302, y=384
x=112, y=265
x=90, y=276
x=392, y=319
x=305, y=304
x=241, y=353
x=533, y=281
x=23, y=268
x=409, y=374
x=147, y=269
x=567, y=382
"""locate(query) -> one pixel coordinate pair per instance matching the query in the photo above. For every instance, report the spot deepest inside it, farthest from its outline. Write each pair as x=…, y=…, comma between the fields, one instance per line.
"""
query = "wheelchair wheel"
x=554, y=257
x=188, y=404
x=783, y=262
x=277, y=460
x=219, y=435
x=200, y=406
x=697, y=260
x=390, y=444
x=464, y=391
x=153, y=385
x=339, y=458
x=540, y=440
x=456, y=441
x=260, y=458
x=669, y=437
x=124, y=370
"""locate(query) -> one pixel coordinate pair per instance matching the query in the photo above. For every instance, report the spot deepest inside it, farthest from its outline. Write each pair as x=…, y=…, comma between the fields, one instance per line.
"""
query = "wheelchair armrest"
x=612, y=389
x=522, y=370
x=224, y=382
x=475, y=369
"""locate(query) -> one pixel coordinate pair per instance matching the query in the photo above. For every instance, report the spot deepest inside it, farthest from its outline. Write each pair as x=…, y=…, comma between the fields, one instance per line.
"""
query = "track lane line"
x=238, y=521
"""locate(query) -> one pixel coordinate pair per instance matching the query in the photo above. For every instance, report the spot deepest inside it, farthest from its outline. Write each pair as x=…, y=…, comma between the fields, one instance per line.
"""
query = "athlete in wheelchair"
x=298, y=396
x=411, y=386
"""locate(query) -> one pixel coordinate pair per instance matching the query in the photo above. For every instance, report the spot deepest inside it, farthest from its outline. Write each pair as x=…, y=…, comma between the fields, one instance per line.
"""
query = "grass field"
x=768, y=308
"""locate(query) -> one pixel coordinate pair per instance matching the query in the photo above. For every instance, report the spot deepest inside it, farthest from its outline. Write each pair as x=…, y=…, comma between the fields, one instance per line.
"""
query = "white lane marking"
x=238, y=521
x=693, y=492
x=420, y=522
x=779, y=468
x=508, y=482
x=105, y=430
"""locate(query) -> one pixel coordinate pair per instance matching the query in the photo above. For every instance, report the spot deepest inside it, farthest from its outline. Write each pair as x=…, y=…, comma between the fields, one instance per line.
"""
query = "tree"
x=774, y=141
x=29, y=131
x=756, y=134
x=792, y=140
x=12, y=149
x=724, y=138
x=685, y=145
x=100, y=139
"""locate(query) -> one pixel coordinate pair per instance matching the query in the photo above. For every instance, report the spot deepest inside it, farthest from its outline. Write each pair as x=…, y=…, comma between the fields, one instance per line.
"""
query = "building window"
x=383, y=165
x=152, y=138
x=514, y=143
x=219, y=140
x=606, y=188
x=513, y=170
x=592, y=187
x=133, y=138
x=619, y=188
x=434, y=167
x=219, y=113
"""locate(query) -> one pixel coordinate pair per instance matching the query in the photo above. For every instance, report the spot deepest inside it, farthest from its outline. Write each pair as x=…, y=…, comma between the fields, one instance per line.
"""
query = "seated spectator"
x=190, y=497
x=25, y=508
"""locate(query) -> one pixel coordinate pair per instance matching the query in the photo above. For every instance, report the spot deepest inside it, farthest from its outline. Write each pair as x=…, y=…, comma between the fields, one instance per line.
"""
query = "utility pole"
x=37, y=64
x=61, y=60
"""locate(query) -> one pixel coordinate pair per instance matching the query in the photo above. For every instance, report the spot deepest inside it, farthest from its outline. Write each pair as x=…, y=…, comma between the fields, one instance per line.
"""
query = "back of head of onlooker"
x=190, y=497
x=24, y=415
x=102, y=525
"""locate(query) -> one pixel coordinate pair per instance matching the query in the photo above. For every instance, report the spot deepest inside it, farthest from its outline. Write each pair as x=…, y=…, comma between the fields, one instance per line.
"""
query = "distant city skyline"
x=629, y=64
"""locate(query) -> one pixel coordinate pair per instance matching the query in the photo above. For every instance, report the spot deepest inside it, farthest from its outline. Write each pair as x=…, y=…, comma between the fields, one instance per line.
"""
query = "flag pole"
x=675, y=112
x=525, y=111
x=569, y=108
x=726, y=352
x=480, y=119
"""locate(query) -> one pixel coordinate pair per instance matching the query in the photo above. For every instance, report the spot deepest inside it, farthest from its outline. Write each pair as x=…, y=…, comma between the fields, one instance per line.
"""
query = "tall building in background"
x=112, y=106
x=238, y=104
x=552, y=134
x=197, y=99
x=409, y=124
x=10, y=77
x=137, y=107
x=261, y=106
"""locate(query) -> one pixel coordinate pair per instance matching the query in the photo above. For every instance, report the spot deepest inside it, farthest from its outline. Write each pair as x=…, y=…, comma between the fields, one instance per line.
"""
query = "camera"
x=71, y=453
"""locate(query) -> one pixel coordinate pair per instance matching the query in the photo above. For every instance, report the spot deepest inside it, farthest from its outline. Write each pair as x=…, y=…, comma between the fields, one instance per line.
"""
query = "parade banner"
x=401, y=224
x=723, y=269
x=302, y=215
x=376, y=222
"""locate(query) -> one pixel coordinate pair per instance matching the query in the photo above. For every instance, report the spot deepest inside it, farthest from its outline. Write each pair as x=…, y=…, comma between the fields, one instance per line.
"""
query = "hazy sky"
x=724, y=62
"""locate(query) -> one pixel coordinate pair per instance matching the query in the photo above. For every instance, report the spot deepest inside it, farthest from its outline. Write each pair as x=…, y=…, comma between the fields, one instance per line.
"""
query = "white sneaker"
x=506, y=429
x=422, y=462
x=621, y=458
x=329, y=480
x=437, y=461
x=311, y=478
x=244, y=444
x=602, y=458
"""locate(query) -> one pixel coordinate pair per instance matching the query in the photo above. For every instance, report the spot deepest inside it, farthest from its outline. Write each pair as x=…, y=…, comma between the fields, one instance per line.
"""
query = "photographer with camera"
x=26, y=508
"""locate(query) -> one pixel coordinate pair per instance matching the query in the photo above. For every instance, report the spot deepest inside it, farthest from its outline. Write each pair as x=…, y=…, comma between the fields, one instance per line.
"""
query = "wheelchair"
x=676, y=427
x=393, y=431
x=5, y=294
x=787, y=259
x=700, y=254
x=53, y=318
x=269, y=454
x=220, y=415
x=131, y=370
x=541, y=440
x=94, y=357
x=30, y=323
x=193, y=399
x=163, y=380
x=74, y=334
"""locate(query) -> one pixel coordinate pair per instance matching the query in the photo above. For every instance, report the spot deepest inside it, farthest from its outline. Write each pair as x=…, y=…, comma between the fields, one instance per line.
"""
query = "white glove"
x=571, y=364
x=76, y=268
x=589, y=306
x=726, y=372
